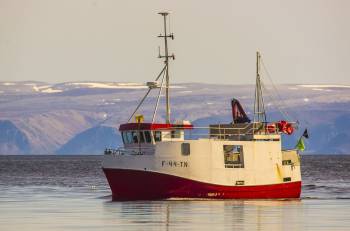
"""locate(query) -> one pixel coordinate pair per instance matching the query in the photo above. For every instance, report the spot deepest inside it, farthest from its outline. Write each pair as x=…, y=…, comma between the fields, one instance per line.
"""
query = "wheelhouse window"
x=175, y=134
x=135, y=137
x=148, y=136
x=157, y=136
x=233, y=156
x=127, y=137
x=124, y=138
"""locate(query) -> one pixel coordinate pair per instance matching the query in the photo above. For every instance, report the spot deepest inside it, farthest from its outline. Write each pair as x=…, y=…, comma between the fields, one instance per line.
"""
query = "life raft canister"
x=285, y=127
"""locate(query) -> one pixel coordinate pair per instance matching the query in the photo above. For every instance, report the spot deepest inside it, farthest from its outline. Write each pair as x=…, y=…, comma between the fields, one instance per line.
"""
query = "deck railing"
x=128, y=151
x=229, y=132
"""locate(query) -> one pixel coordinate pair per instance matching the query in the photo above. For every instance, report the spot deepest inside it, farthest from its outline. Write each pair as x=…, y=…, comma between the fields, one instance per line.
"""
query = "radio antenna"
x=166, y=57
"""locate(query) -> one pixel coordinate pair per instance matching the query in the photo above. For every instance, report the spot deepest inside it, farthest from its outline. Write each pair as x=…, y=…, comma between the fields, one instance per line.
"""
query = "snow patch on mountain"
x=44, y=89
x=110, y=85
x=185, y=92
x=38, y=88
x=323, y=86
x=8, y=84
x=50, y=90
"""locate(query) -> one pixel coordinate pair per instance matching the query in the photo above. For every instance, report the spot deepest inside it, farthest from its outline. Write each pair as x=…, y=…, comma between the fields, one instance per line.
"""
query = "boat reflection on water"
x=210, y=214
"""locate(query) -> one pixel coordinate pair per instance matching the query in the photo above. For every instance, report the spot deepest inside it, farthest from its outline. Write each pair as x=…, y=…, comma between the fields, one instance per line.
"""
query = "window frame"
x=236, y=151
x=185, y=149
x=155, y=136
x=124, y=137
x=175, y=134
x=141, y=137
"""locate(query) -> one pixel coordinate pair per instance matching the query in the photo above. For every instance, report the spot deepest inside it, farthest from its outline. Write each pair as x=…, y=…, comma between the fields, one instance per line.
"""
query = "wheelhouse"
x=150, y=133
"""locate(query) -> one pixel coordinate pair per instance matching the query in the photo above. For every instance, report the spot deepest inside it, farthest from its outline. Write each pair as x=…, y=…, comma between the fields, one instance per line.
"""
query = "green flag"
x=300, y=145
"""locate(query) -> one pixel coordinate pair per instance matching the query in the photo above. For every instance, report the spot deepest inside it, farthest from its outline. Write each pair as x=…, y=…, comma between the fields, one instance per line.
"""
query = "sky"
x=215, y=41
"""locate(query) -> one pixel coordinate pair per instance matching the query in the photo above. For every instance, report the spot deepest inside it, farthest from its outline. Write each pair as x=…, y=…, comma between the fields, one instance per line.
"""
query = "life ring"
x=271, y=128
x=289, y=129
x=285, y=127
x=282, y=125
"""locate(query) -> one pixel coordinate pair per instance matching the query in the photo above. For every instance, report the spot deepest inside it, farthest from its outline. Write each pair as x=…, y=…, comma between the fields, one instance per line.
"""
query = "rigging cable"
x=277, y=96
x=149, y=90
x=274, y=101
x=160, y=92
x=138, y=106
x=292, y=115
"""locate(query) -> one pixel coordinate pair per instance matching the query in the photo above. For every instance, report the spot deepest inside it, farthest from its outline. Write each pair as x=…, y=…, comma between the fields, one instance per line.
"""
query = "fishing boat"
x=241, y=159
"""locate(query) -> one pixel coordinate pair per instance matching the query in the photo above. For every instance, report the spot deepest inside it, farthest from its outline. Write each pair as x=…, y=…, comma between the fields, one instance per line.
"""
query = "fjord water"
x=71, y=193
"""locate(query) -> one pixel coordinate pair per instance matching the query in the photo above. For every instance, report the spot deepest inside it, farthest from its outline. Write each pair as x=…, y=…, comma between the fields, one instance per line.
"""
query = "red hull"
x=129, y=184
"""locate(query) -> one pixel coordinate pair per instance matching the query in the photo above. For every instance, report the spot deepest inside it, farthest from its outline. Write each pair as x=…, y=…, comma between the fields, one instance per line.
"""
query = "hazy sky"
x=302, y=41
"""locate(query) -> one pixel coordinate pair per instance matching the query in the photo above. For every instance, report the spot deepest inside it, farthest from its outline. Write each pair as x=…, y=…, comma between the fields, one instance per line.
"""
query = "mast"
x=162, y=74
x=166, y=56
x=259, y=109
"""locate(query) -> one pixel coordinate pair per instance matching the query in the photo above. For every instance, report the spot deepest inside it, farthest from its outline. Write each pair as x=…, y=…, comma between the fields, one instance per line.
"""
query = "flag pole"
x=300, y=146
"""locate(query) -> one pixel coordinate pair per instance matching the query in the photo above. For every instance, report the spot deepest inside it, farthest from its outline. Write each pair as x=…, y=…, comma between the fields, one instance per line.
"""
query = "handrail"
x=241, y=128
x=127, y=151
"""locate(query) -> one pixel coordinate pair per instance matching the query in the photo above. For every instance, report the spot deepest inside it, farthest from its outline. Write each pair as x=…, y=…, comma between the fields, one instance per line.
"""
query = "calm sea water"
x=71, y=193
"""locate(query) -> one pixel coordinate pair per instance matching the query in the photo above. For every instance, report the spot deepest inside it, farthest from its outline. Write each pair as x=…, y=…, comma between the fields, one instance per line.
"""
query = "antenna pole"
x=257, y=95
x=166, y=56
x=259, y=110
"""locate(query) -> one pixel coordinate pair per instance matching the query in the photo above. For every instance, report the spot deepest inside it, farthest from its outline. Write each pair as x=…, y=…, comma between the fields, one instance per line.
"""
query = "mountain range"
x=83, y=117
